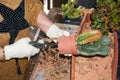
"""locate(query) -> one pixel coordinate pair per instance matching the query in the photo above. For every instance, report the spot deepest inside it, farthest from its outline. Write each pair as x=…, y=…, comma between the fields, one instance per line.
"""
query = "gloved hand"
x=20, y=49
x=55, y=32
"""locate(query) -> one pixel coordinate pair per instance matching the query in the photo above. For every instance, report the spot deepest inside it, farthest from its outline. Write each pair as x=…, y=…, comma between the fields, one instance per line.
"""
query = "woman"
x=16, y=17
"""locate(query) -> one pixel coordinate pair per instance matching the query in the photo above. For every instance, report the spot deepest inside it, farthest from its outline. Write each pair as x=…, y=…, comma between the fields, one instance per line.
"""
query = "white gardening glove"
x=20, y=49
x=55, y=32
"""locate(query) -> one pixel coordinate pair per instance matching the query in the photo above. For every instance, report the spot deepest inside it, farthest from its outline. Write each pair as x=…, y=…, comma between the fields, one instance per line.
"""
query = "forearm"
x=50, y=29
x=43, y=22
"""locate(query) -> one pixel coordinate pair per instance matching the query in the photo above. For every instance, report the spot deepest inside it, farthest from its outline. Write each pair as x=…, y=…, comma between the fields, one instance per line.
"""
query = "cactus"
x=89, y=36
x=100, y=47
x=92, y=43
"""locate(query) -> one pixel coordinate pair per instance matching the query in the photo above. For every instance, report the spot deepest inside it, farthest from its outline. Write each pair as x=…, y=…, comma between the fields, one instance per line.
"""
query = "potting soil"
x=52, y=66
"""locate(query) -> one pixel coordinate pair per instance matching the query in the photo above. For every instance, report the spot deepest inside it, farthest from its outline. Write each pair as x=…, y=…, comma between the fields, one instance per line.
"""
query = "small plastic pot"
x=67, y=45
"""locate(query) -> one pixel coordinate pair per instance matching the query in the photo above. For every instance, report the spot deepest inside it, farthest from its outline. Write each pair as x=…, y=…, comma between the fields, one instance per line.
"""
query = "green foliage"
x=106, y=16
x=100, y=47
x=69, y=9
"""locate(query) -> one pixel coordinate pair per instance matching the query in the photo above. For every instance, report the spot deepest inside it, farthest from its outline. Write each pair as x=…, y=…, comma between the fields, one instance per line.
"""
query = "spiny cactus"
x=100, y=47
x=89, y=36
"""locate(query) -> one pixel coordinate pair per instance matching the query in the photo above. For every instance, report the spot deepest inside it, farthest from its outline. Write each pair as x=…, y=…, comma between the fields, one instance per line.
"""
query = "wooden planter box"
x=88, y=68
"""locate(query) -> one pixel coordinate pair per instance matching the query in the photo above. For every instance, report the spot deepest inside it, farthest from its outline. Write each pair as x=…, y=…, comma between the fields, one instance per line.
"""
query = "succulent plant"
x=70, y=10
x=106, y=16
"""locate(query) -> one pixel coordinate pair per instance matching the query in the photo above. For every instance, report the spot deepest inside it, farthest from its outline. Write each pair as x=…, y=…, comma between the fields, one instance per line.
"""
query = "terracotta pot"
x=67, y=45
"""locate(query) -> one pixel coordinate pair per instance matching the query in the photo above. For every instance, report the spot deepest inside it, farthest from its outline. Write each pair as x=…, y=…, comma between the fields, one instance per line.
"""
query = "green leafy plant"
x=106, y=16
x=70, y=10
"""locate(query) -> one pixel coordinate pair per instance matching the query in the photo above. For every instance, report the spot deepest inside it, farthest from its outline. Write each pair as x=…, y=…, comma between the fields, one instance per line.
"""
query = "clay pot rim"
x=69, y=44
